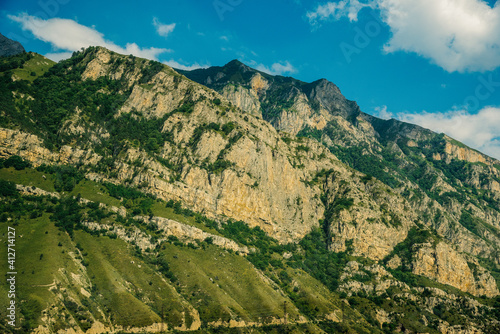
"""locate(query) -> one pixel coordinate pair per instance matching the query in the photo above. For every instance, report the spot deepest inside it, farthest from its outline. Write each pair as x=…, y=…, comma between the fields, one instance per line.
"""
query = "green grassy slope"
x=37, y=66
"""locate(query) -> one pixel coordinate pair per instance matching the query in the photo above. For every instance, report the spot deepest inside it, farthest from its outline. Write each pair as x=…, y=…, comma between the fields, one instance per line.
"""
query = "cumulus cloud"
x=277, y=68
x=337, y=10
x=163, y=29
x=480, y=131
x=460, y=35
x=179, y=66
x=456, y=35
x=67, y=35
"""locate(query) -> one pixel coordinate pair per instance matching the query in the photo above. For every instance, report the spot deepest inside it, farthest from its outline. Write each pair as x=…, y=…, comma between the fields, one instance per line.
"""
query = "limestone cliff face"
x=444, y=264
x=31, y=148
x=262, y=187
x=370, y=223
x=243, y=98
x=301, y=115
x=291, y=119
x=461, y=152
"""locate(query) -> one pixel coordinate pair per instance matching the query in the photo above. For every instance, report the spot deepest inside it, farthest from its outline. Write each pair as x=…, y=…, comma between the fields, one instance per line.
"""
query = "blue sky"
x=431, y=62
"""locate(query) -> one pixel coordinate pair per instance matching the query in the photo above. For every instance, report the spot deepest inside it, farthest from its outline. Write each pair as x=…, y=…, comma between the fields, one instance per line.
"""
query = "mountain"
x=9, y=47
x=411, y=160
x=227, y=200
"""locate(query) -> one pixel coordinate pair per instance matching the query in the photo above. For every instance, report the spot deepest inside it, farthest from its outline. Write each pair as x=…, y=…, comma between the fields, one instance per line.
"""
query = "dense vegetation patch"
x=317, y=260
x=141, y=132
x=55, y=97
x=14, y=161
x=67, y=215
x=357, y=158
x=66, y=177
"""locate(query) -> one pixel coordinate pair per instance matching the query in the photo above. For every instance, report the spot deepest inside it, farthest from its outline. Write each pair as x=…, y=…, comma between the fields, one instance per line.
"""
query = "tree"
x=17, y=162
x=67, y=215
x=7, y=189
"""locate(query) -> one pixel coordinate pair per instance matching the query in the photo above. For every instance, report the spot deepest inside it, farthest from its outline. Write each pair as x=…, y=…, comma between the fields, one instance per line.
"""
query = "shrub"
x=8, y=189
x=67, y=215
x=67, y=177
x=228, y=127
x=303, y=148
x=15, y=161
x=219, y=166
x=118, y=191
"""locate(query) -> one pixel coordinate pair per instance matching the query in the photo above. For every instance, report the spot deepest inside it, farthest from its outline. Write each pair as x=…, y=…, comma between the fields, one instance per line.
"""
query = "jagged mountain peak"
x=260, y=93
x=236, y=64
x=234, y=72
x=324, y=85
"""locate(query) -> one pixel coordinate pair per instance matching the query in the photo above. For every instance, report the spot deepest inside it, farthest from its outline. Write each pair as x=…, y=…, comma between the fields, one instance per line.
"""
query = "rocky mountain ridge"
x=284, y=157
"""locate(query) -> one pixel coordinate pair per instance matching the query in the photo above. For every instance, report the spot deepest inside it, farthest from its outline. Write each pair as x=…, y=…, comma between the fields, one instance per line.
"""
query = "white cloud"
x=163, y=29
x=68, y=35
x=337, y=10
x=57, y=56
x=381, y=112
x=179, y=66
x=456, y=35
x=460, y=35
x=480, y=131
x=277, y=68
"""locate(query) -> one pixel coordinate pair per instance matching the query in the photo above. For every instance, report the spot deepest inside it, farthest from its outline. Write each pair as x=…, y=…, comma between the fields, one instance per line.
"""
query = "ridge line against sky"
x=430, y=62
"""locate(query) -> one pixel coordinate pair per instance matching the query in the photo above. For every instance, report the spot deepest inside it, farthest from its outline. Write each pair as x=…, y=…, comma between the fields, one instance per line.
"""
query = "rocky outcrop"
x=378, y=285
x=31, y=148
x=243, y=98
x=34, y=191
x=442, y=263
x=186, y=232
x=328, y=95
x=375, y=222
x=462, y=152
x=183, y=232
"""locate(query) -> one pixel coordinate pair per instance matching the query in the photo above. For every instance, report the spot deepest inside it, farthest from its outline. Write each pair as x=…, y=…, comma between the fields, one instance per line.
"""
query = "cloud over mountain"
x=459, y=35
x=67, y=35
x=480, y=131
